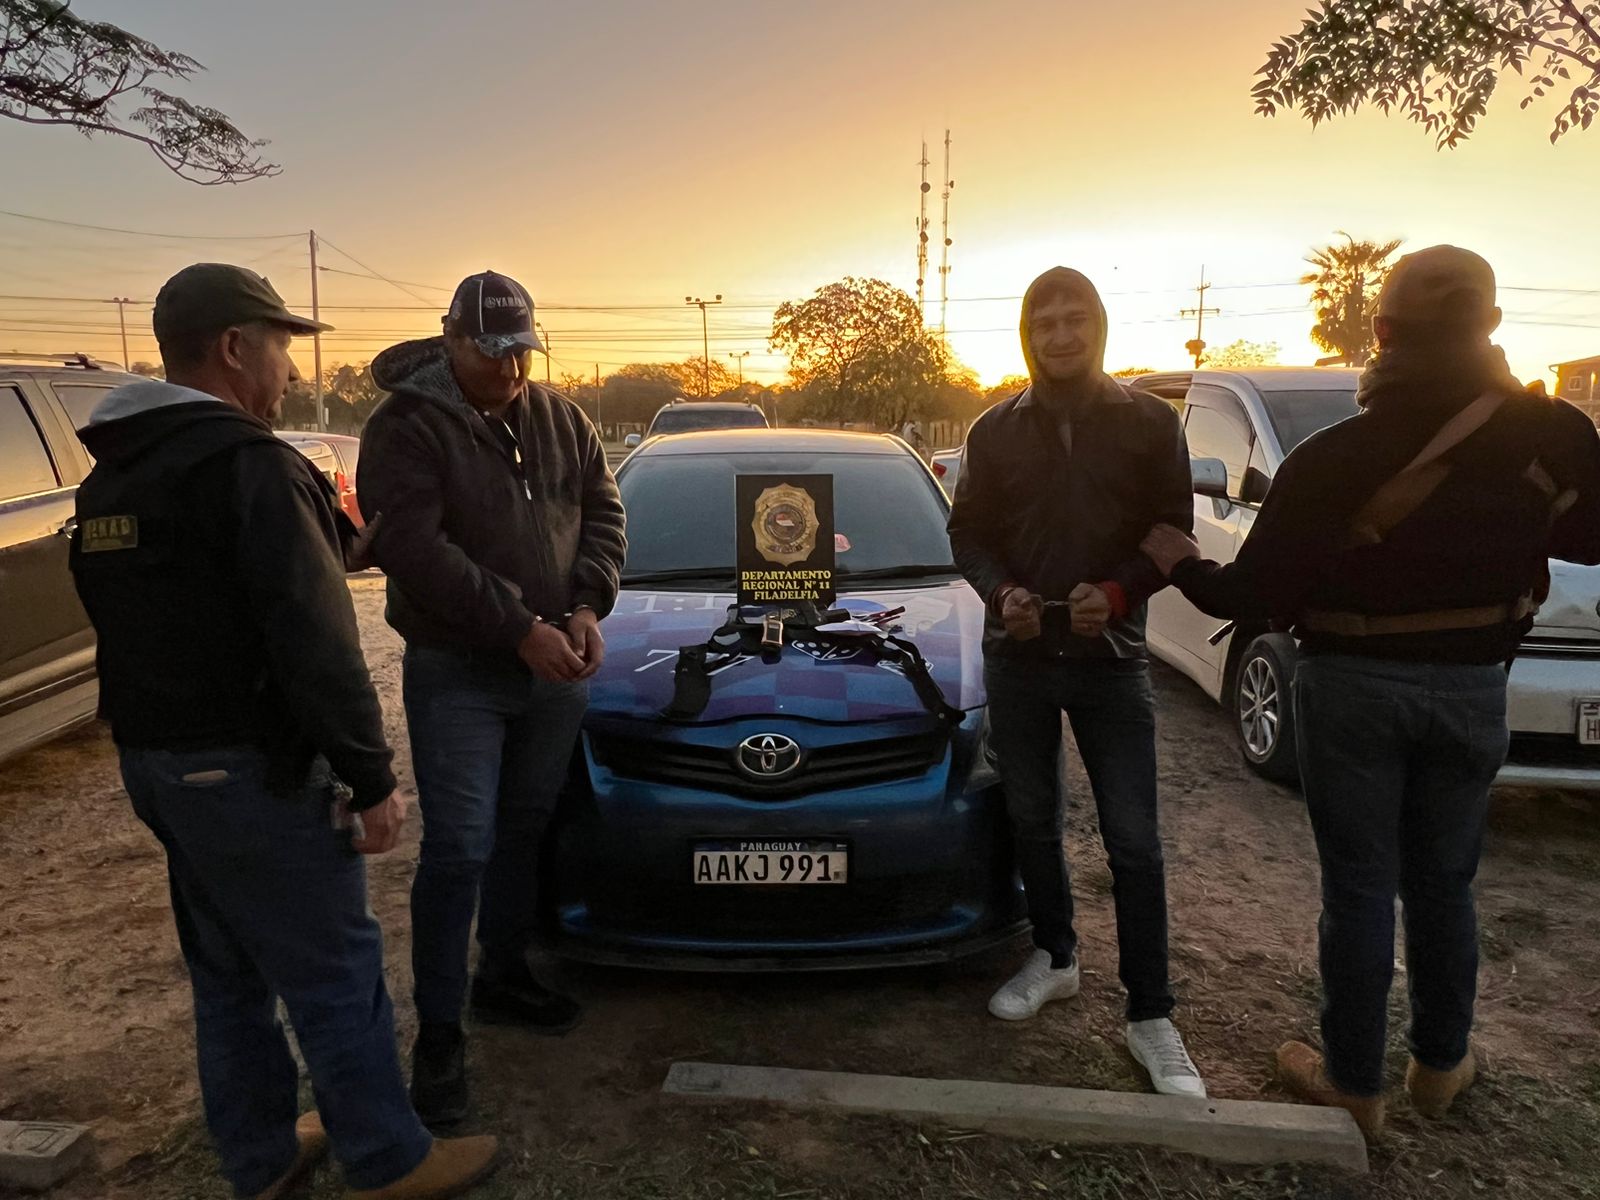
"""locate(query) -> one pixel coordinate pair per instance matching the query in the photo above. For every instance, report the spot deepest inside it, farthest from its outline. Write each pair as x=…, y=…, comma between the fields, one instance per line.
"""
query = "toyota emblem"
x=768, y=756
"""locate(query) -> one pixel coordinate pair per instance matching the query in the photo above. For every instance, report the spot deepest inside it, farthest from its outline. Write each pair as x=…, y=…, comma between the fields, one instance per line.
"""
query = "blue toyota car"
x=815, y=814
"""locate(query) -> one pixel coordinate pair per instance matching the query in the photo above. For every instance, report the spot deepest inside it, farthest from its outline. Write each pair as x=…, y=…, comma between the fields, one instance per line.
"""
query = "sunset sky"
x=621, y=154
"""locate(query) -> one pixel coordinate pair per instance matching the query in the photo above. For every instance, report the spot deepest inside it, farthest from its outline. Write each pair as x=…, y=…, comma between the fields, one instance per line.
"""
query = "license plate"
x=1589, y=722
x=771, y=863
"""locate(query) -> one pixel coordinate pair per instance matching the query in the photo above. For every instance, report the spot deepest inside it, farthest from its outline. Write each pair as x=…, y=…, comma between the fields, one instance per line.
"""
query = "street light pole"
x=739, y=358
x=122, y=323
x=545, y=338
x=705, y=336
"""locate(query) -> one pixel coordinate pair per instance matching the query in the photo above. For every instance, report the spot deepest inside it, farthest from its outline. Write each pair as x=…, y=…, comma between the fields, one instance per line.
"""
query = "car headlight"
x=973, y=763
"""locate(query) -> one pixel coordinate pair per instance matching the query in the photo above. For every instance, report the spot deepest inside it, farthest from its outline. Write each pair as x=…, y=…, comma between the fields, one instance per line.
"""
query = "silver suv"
x=1240, y=426
x=47, y=674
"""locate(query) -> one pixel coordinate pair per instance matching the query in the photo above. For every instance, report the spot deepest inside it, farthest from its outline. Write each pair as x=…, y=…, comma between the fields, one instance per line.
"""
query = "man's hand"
x=381, y=825
x=1167, y=546
x=549, y=654
x=358, y=550
x=583, y=632
x=1091, y=610
x=1023, y=613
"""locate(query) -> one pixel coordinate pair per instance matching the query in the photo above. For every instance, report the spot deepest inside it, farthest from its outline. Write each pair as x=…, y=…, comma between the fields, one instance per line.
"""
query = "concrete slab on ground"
x=35, y=1155
x=1239, y=1131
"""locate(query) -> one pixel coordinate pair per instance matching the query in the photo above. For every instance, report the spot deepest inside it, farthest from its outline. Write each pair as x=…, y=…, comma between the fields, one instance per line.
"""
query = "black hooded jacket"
x=209, y=558
x=475, y=545
x=1029, y=512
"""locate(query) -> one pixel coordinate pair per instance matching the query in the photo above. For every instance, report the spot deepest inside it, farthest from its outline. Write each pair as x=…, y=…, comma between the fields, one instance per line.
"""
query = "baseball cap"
x=1439, y=285
x=216, y=296
x=496, y=312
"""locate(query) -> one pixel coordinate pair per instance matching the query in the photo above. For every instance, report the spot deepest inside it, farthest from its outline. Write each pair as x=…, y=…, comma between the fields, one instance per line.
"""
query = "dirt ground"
x=95, y=1015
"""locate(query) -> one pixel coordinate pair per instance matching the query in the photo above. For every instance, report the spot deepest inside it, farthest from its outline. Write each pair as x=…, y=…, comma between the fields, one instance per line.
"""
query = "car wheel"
x=1263, y=712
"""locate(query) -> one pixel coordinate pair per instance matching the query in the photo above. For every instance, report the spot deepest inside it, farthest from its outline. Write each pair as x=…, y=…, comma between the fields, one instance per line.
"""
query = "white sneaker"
x=1031, y=988
x=1158, y=1048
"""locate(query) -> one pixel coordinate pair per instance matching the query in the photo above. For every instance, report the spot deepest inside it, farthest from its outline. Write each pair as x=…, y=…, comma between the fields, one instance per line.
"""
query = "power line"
x=376, y=274
x=367, y=275
x=176, y=237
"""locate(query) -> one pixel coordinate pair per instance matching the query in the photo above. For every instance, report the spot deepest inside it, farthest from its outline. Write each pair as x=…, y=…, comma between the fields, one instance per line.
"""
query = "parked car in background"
x=698, y=416
x=891, y=820
x=946, y=466
x=47, y=670
x=335, y=456
x=1240, y=426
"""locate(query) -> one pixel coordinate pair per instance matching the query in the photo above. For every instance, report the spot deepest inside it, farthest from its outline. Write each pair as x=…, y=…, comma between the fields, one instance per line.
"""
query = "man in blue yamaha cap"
x=502, y=537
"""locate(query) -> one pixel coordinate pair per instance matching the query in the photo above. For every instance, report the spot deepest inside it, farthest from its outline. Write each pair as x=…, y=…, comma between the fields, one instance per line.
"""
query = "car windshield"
x=888, y=517
x=1297, y=415
x=693, y=420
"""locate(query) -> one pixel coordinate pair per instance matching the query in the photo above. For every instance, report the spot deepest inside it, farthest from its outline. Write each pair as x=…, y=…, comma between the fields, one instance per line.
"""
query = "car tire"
x=1263, y=712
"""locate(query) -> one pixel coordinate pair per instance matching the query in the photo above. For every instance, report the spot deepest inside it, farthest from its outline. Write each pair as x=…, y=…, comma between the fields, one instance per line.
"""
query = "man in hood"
x=209, y=557
x=501, y=532
x=1409, y=547
x=1057, y=487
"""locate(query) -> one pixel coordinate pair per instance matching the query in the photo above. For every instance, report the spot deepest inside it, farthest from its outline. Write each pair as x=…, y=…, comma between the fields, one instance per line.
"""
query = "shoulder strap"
x=1403, y=494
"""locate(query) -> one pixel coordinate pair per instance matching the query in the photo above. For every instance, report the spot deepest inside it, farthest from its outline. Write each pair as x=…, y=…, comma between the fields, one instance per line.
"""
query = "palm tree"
x=1344, y=292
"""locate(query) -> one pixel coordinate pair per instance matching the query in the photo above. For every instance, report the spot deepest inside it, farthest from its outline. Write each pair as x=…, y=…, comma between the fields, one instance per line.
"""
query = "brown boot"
x=453, y=1165
x=313, y=1141
x=1433, y=1092
x=1302, y=1070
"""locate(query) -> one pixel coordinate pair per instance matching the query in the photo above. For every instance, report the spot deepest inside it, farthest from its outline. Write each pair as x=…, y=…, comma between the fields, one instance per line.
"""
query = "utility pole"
x=922, y=233
x=545, y=338
x=1197, y=347
x=316, y=338
x=944, y=254
x=602, y=428
x=705, y=336
x=739, y=358
x=1355, y=318
x=122, y=323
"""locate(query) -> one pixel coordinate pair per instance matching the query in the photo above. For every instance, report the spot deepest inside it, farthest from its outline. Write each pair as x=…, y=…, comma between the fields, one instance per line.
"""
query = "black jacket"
x=474, y=545
x=1027, y=512
x=209, y=558
x=1483, y=538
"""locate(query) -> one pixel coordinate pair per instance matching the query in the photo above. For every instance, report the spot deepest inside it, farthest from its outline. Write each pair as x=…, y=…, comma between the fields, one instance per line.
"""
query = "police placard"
x=785, y=538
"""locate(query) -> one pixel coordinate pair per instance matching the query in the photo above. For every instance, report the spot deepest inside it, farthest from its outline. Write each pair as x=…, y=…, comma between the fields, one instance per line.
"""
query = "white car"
x=1240, y=426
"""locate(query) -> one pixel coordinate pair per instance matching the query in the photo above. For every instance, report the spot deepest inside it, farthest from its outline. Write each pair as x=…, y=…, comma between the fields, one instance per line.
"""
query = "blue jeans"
x=271, y=901
x=1112, y=711
x=1396, y=760
x=491, y=746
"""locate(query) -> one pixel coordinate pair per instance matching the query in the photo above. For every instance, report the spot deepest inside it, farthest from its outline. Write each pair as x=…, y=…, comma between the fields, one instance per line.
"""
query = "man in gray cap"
x=209, y=555
x=502, y=537
x=1408, y=546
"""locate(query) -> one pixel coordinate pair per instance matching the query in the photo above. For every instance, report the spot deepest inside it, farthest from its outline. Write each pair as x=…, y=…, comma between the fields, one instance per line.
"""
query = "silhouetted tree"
x=1241, y=354
x=859, y=352
x=57, y=68
x=1344, y=292
x=1436, y=61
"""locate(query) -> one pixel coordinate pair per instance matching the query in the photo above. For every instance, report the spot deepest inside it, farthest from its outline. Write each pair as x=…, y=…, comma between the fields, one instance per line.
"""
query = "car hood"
x=1571, y=611
x=811, y=681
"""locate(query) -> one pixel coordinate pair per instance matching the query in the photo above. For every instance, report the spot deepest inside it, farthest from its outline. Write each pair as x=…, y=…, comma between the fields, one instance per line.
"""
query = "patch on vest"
x=110, y=533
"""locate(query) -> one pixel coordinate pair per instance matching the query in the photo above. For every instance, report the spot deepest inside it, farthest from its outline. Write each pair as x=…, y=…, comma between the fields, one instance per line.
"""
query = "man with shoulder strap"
x=210, y=558
x=1409, y=548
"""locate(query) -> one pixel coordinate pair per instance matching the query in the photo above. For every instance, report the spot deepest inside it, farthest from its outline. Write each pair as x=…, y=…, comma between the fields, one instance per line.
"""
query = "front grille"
x=824, y=769
x=1552, y=750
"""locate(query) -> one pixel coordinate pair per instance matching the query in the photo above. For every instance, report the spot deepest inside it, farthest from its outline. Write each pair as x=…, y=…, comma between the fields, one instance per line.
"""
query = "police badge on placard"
x=785, y=538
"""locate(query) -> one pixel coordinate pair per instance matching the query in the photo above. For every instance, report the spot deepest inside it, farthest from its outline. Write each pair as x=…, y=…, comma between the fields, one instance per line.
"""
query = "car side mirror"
x=1210, y=478
x=632, y=440
x=1254, y=486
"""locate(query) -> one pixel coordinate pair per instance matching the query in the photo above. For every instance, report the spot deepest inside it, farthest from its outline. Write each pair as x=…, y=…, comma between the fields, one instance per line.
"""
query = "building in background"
x=1579, y=383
